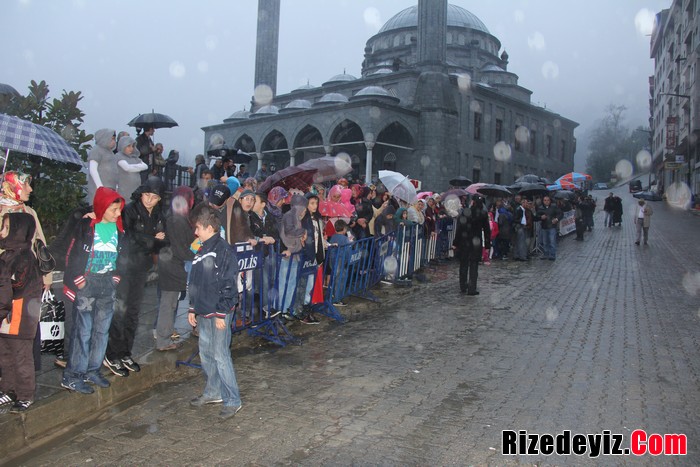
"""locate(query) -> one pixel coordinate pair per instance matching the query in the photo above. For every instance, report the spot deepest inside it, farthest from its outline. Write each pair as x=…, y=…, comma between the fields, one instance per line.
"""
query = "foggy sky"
x=194, y=61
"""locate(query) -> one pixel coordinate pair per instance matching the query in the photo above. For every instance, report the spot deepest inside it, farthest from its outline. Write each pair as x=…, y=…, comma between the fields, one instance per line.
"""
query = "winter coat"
x=171, y=259
x=106, y=162
x=141, y=228
x=552, y=212
x=129, y=168
x=20, y=280
x=212, y=287
x=472, y=225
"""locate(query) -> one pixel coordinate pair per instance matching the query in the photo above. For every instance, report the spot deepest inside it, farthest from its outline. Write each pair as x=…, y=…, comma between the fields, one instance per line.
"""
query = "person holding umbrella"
x=472, y=234
x=146, y=148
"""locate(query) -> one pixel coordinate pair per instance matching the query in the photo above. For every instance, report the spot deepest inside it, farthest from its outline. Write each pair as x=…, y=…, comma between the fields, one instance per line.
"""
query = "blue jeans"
x=549, y=242
x=215, y=354
x=287, y=282
x=92, y=315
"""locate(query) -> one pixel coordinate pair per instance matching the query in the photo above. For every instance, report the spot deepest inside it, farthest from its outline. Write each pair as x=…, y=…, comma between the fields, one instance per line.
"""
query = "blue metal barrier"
x=256, y=314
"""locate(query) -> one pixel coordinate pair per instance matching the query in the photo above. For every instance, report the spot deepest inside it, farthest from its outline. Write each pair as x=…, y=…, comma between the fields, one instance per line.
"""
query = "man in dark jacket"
x=549, y=214
x=93, y=253
x=472, y=226
x=144, y=226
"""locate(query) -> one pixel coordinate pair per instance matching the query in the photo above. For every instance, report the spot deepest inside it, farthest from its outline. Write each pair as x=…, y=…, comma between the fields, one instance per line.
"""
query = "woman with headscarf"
x=16, y=188
x=172, y=273
x=276, y=198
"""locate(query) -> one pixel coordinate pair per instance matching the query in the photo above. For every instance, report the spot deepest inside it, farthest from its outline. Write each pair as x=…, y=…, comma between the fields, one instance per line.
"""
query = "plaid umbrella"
x=29, y=138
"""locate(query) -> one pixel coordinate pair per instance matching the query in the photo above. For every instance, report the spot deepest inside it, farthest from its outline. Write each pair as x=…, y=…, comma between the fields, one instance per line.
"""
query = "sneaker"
x=20, y=406
x=229, y=411
x=386, y=282
x=288, y=317
x=340, y=303
x=116, y=367
x=7, y=398
x=200, y=401
x=308, y=319
x=175, y=336
x=77, y=386
x=130, y=364
x=272, y=313
x=97, y=379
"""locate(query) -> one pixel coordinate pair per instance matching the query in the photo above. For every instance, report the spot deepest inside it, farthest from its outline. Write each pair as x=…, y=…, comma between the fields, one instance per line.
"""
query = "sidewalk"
x=57, y=410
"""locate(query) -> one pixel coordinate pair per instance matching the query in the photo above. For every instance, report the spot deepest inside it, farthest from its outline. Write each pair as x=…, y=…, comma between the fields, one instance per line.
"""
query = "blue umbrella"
x=29, y=138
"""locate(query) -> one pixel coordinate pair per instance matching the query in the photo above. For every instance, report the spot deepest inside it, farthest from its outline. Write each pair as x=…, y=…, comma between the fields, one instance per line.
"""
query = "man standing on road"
x=608, y=208
x=472, y=227
x=642, y=220
x=549, y=215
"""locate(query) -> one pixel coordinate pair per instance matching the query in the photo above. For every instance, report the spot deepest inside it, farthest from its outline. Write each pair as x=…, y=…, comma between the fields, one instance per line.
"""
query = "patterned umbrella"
x=575, y=177
x=328, y=168
x=288, y=178
x=334, y=209
x=29, y=138
x=562, y=185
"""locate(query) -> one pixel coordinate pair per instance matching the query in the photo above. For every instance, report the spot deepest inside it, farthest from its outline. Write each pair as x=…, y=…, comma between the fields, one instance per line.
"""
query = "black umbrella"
x=225, y=152
x=530, y=178
x=460, y=181
x=531, y=189
x=491, y=189
x=152, y=120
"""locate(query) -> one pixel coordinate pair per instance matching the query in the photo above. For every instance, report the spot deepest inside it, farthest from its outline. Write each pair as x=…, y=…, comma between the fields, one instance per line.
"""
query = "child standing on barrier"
x=338, y=240
x=213, y=297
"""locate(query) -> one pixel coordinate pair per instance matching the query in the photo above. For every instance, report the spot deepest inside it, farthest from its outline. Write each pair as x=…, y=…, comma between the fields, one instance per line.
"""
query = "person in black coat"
x=144, y=226
x=473, y=233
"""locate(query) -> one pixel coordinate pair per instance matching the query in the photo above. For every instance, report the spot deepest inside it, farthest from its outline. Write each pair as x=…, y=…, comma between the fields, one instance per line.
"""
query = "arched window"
x=397, y=40
x=389, y=162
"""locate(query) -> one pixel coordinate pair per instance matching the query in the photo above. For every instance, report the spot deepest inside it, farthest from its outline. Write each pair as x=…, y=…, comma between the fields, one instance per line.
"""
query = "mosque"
x=435, y=99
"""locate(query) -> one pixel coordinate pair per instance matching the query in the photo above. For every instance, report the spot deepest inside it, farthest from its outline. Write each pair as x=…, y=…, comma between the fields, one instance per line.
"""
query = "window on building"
x=548, y=146
x=389, y=162
x=499, y=130
x=563, y=150
x=476, y=175
x=477, y=126
x=533, y=142
x=518, y=144
x=497, y=178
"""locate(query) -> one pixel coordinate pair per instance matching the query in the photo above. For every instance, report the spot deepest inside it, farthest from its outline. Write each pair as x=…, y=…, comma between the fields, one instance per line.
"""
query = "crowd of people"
x=109, y=249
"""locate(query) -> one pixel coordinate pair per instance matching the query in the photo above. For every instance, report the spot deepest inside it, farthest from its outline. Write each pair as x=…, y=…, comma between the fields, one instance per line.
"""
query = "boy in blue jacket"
x=213, y=298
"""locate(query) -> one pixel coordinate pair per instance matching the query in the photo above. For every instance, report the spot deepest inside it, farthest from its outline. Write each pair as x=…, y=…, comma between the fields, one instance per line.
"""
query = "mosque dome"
x=382, y=71
x=304, y=87
x=6, y=89
x=341, y=78
x=296, y=104
x=239, y=115
x=332, y=98
x=266, y=110
x=374, y=92
x=456, y=16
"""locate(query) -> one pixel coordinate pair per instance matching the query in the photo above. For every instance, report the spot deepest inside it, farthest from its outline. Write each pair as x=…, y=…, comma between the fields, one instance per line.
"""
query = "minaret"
x=267, y=44
x=432, y=34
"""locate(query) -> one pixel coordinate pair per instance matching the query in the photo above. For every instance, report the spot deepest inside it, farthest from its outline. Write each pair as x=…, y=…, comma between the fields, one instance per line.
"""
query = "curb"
x=53, y=416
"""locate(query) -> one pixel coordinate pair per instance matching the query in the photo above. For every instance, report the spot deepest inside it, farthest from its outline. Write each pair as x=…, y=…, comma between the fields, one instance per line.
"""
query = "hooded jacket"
x=141, y=227
x=291, y=229
x=130, y=168
x=102, y=154
x=80, y=248
x=179, y=234
x=20, y=279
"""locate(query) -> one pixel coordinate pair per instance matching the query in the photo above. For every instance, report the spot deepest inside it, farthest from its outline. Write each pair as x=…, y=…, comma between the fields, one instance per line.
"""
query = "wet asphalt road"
x=605, y=338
